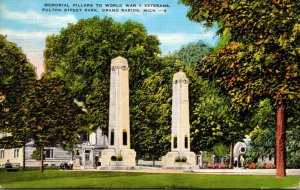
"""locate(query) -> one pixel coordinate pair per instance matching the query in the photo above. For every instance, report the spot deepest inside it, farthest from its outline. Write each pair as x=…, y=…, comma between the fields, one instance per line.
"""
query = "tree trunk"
x=42, y=159
x=231, y=156
x=24, y=151
x=280, y=142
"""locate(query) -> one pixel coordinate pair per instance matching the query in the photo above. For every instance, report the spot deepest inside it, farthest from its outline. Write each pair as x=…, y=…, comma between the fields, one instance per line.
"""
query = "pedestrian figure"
x=8, y=164
x=71, y=165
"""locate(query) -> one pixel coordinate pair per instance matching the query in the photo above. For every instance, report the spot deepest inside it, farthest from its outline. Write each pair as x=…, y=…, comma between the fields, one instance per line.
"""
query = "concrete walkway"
x=294, y=172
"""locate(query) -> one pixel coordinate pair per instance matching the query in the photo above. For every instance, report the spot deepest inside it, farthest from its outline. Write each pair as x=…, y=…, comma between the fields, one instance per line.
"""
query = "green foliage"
x=259, y=166
x=16, y=78
x=220, y=149
x=264, y=117
x=213, y=118
x=207, y=157
x=262, y=55
x=193, y=53
x=180, y=159
x=224, y=40
x=263, y=136
x=262, y=144
x=177, y=159
x=54, y=116
x=293, y=148
x=293, y=136
x=36, y=154
x=81, y=55
x=151, y=128
x=119, y=157
x=260, y=59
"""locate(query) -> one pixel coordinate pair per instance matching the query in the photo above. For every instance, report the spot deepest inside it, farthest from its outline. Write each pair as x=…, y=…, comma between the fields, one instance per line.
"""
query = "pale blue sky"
x=24, y=23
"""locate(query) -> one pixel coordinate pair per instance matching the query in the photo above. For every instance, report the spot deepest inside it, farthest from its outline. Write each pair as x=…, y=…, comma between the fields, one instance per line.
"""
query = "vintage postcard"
x=149, y=94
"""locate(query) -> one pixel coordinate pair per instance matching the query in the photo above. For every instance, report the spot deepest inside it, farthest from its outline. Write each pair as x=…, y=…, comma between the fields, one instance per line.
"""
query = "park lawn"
x=101, y=179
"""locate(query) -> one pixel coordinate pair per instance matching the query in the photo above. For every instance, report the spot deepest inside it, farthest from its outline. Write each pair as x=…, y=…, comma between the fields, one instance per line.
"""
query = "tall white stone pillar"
x=180, y=114
x=119, y=131
x=180, y=143
x=119, y=125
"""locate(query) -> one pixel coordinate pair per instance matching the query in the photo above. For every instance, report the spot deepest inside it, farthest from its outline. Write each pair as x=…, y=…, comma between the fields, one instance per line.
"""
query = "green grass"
x=80, y=179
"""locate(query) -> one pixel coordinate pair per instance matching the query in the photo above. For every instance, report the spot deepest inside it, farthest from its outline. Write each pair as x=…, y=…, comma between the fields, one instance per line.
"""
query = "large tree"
x=55, y=118
x=17, y=76
x=81, y=55
x=151, y=128
x=262, y=56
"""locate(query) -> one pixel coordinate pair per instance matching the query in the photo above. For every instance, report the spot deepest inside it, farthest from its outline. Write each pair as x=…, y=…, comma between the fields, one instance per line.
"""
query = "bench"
x=12, y=167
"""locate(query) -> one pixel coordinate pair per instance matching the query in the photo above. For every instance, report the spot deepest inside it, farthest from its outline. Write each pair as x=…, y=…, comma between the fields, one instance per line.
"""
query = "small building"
x=87, y=152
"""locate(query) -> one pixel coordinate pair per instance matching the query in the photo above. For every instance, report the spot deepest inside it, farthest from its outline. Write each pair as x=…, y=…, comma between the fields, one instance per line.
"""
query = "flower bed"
x=252, y=166
x=217, y=166
x=269, y=166
x=261, y=166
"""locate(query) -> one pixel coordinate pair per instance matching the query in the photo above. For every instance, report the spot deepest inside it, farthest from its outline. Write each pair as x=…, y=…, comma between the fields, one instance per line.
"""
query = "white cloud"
x=24, y=35
x=183, y=38
x=35, y=18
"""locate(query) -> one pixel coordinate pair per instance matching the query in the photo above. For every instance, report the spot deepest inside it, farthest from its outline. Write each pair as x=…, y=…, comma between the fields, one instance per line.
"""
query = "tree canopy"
x=81, y=55
x=55, y=118
x=17, y=76
x=262, y=56
x=193, y=53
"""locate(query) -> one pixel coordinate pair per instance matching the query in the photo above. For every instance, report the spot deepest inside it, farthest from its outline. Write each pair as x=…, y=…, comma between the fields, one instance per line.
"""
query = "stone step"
x=89, y=167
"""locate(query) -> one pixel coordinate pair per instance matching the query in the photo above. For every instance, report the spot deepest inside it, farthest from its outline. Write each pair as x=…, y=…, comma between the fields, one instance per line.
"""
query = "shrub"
x=36, y=154
x=119, y=157
x=113, y=158
x=259, y=166
x=178, y=159
x=206, y=157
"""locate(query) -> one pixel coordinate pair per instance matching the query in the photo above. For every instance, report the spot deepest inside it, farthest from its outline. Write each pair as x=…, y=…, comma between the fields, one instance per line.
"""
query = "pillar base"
x=170, y=163
x=128, y=161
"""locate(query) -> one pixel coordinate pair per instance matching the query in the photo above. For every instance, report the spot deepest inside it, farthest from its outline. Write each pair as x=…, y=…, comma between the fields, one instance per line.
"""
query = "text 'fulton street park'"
x=104, y=7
